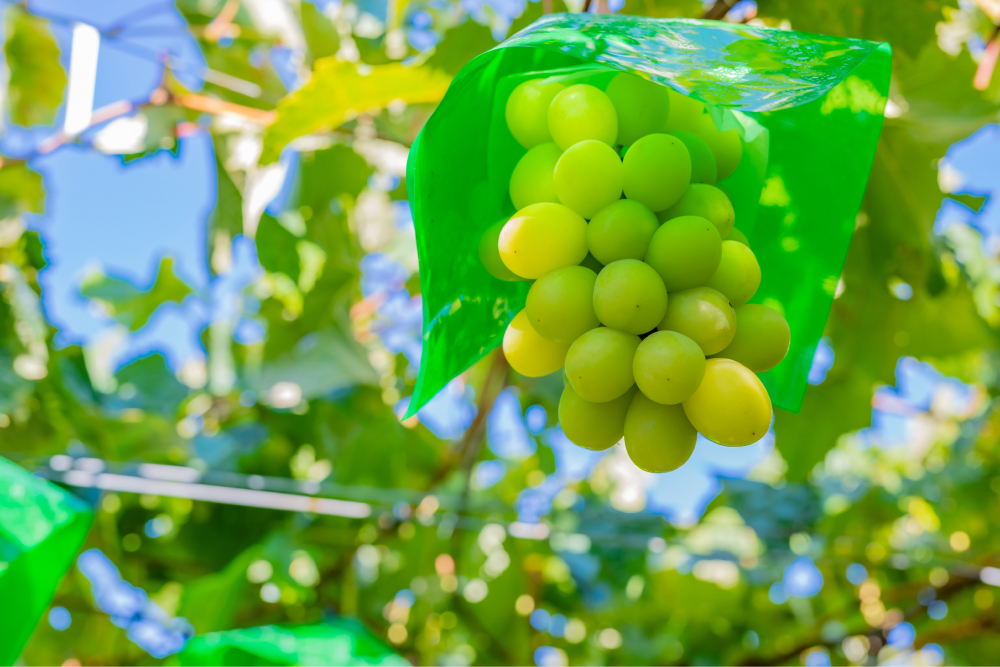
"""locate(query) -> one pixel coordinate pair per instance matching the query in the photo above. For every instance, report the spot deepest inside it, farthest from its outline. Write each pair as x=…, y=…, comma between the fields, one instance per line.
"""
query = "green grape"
x=591, y=263
x=707, y=201
x=560, y=304
x=738, y=236
x=762, y=338
x=582, y=112
x=730, y=407
x=527, y=111
x=489, y=254
x=726, y=146
x=599, y=364
x=527, y=352
x=738, y=275
x=588, y=177
x=657, y=171
x=531, y=181
x=621, y=230
x=658, y=438
x=685, y=113
x=685, y=251
x=703, y=315
x=703, y=168
x=668, y=367
x=629, y=296
x=641, y=105
x=542, y=237
x=594, y=426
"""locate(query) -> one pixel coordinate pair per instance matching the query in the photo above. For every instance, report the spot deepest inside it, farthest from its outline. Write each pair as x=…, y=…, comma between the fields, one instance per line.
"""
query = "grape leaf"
x=37, y=79
x=133, y=307
x=276, y=248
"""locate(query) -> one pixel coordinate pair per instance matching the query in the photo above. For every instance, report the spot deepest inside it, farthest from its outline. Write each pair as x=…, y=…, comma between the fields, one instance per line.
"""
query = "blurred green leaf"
x=37, y=80
x=321, y=36
x=277, y=248
x=21, y=190
x=131, y=306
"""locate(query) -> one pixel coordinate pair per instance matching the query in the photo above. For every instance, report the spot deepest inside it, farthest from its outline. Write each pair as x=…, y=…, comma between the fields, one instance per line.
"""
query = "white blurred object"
x=123, y=135
x=82, y=77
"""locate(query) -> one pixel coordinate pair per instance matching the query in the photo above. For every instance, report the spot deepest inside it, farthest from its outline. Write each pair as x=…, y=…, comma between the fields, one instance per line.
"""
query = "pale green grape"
x=703, y=168
x=726, y=146
x=591, y=263
x=527, y=111
x=641, y=105
x=527, y=352
x=685, y=251
x=730, y=407
x=738, y=236
x=657, y=171
x=582, y=112
x=621, y=230
x=685, y=113
x=658, y=438
x=738, y=275
x=531, y=181
x=599, y=364
x=761, y=340
x=542, y=237
x=629, y=296
x=668, y=367
x=707, y=201
x=588, y=177
x=594, y=426
x=560, y=304
x=703, y=315
x=489, y=254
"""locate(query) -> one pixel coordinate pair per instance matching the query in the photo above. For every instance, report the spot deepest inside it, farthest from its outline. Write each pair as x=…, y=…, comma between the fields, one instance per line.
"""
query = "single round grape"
x=489, y=254
x=707, y=201
x=588, y=177
x=629, y=296
x=542, y=237
x=599, y=364
x=668, y=367
x=531, y=181
x=658, y=438
x=761, y=341
x=582, y=112
x=527, y=111
x=685, y=251
x=527, y=352
x=726, y=146
x=730, y=407
x=703, y=168
x=703, y=315
x=657, y=171
x=641, y=105
x=594, y=426
x=560, y=304
x=738, y=275
x=621, y=230
x=738, y=236
x=685, y=113
x=591, y=263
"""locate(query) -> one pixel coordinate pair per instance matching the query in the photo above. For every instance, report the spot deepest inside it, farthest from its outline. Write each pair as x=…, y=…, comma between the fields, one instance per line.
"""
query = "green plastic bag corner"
x=41, y=529
x=818, y=99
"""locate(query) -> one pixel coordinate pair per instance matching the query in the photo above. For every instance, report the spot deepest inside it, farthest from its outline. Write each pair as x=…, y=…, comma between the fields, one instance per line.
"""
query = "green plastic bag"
x=810, y=105
x=41, y=529
x=339, y=641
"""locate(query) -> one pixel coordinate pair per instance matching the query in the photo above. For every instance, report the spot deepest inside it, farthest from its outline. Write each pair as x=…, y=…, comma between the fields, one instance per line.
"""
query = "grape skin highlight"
x=542, y=237
x=621, y=230
x=703, y=315
x=527, y=111
x=599, y=364
x=560, y=304
x=731, y=407
x=595, y=426
x=668, y=367
x=531, y=182
x=685, y=252
x=582, y=112
x=588, y=177
x=658, y=438
x=629, y=296
x=527, y=352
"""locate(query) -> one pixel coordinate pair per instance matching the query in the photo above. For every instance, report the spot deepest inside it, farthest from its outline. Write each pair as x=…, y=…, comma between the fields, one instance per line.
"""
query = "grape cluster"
x=640, y=280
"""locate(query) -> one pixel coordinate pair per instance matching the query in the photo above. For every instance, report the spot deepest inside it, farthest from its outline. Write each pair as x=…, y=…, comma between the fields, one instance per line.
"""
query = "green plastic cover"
x=41, y=529
x=338, y=641
x=820, y=100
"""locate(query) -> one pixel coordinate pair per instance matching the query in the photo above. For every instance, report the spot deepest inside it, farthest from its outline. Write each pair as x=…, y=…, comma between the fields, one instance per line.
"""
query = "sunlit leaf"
x=37, y=79
x=131, y=306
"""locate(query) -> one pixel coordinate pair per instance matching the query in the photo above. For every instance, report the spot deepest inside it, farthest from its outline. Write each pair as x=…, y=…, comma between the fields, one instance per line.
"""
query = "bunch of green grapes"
x=640, y=280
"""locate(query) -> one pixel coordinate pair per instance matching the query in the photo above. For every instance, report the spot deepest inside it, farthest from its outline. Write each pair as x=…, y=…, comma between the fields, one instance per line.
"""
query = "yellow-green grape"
x=707, y=201
x=730, y=407
x=591, y=263
x=531, y=182
x=588, y=177
x=703, y=315
x=582, y=112
x=738, y=275
x=599, y=364
x=489, y=254
x=726, y=146
x=658, y=438
x=761, y=340
x=527, y=111
x=560, y=304
x=657, y=171
x=703, y=168
x=621, y=231
x=527, y=352
x=685, y=113
x=642, y=106
x=542, y=237
x=668, y=367
x=629, y=296
x=685, y=251
x=594, y=426
x=738, y=236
